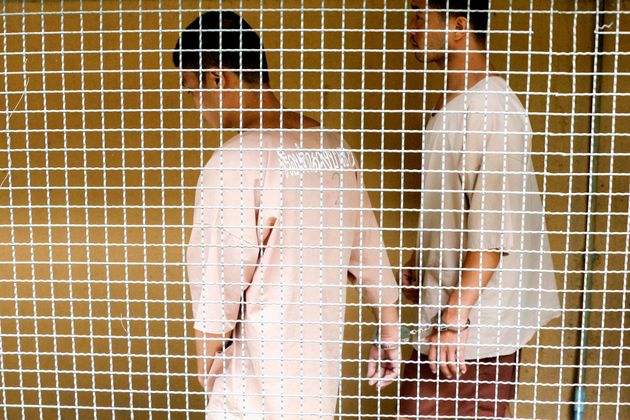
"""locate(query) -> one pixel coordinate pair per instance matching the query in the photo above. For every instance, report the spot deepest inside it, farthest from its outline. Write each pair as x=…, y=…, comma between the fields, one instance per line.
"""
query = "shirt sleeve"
x=223, y=250
x=495, y=162
x=369, y=263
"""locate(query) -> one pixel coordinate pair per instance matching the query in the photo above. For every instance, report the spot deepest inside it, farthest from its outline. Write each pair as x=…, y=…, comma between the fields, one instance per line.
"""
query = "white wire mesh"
x=102, y=149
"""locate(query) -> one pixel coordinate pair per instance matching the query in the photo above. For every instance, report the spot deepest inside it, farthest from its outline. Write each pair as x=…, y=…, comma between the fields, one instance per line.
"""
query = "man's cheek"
x=211, y=119
x=195, y=98
x=420, y=40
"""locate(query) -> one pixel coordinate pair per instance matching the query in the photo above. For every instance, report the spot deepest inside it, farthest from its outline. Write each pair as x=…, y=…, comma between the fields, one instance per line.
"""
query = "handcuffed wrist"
x=441, y=324
x=454, y=315
x=389, y=345
x=385, y=342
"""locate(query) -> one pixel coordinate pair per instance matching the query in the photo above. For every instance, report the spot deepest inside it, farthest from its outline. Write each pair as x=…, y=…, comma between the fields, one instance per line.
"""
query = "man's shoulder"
x=242, y=151
x=250, y=141
x=494, y=96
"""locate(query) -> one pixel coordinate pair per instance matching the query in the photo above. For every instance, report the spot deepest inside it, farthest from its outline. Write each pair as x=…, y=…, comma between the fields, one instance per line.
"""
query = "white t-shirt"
x=281, y=219
x=479, y=192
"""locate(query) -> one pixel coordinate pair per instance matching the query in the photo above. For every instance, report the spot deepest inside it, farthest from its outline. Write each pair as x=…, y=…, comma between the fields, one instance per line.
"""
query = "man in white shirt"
x=483, y=275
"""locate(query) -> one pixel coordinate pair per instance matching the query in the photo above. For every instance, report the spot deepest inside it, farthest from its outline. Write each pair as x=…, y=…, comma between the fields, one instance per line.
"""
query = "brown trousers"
x=484, y=391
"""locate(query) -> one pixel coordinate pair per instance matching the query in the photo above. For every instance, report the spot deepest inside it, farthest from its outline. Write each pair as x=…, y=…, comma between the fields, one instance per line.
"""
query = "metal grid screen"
x=302, y=262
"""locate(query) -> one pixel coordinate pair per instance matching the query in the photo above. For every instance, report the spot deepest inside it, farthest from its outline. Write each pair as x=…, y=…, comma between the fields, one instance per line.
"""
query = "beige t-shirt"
x=480, y=193
x=281, y=219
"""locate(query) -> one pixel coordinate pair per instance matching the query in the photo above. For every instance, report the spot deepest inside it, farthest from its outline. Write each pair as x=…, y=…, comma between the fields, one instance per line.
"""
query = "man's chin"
x=421, y=57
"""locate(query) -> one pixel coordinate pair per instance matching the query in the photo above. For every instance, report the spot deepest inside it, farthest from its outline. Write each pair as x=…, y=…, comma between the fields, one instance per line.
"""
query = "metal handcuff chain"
x=408, y=335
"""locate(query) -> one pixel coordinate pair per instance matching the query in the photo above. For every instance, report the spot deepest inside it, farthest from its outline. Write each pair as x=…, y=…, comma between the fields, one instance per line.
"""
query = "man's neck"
x=266, y=113
x=464, y=70
x=265, y=110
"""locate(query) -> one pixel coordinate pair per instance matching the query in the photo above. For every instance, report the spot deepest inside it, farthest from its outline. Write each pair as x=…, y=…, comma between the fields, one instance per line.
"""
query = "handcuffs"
x=408, y=335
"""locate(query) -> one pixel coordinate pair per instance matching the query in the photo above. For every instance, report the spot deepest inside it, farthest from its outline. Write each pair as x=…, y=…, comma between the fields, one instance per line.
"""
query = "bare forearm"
x=478, y=269
x=388, y=317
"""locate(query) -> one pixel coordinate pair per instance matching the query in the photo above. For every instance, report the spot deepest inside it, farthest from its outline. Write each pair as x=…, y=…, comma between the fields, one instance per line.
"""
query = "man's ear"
x=213, y=79
x=460, y=27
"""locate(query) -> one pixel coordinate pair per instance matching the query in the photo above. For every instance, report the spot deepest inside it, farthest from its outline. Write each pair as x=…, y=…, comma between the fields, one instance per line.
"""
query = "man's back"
x=288, y=207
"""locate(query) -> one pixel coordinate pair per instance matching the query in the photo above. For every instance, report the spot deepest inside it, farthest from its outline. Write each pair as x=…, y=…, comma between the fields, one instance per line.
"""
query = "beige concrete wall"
x=109, y=190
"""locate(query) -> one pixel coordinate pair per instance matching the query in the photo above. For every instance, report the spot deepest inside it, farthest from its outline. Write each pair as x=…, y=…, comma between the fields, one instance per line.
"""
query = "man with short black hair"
x=487, y=283
x=281, y=220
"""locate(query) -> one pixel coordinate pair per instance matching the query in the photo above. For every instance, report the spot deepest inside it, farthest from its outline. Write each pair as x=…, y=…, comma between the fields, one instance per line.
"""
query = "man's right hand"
x=409, y=280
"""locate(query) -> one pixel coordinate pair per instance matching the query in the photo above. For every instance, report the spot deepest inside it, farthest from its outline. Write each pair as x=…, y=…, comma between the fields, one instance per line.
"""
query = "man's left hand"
x=384, y=365
x=447, y=352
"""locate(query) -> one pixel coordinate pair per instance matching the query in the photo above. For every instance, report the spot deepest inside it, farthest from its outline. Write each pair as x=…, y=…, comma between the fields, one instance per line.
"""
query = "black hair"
x=222, y=38
x=477, y=12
